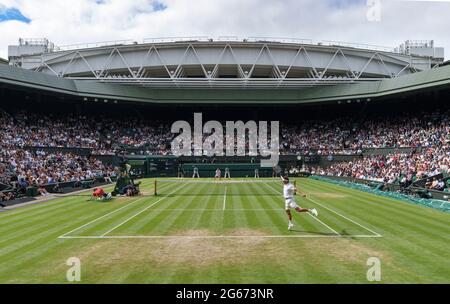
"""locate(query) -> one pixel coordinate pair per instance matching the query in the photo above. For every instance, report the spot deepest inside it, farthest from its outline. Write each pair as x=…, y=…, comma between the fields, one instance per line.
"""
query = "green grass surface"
x=206, y=232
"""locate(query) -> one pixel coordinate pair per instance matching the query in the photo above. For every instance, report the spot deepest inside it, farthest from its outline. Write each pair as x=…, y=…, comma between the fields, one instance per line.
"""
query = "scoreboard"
x=162, y=166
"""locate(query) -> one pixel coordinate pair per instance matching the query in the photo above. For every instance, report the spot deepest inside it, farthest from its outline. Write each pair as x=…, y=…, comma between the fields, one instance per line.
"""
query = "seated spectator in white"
x=42, y=191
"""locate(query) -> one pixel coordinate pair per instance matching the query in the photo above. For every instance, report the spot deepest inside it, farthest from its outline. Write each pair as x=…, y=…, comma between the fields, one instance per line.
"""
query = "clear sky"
x=377, y=22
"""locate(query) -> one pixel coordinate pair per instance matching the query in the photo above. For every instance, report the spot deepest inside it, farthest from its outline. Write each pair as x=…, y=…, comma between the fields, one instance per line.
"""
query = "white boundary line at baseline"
x=217, y=236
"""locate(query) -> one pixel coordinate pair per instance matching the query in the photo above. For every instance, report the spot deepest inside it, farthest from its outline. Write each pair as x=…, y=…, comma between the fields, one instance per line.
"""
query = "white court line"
x=66, y=236
x=343, y=216
x=205, y=181
x=349, y=219
x=211, y=209
x=217, y=236
x=103, y=216
x=328, y=227
x=225, y=199
x=337, y=233
x=143, y=210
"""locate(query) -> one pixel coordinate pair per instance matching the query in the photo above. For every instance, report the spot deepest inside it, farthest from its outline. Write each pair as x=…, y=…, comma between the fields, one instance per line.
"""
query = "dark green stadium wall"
x=28, y=80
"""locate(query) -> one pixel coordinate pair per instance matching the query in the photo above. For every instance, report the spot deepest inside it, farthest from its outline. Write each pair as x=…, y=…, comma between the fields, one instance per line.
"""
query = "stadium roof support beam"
x=332, y=91
x=77, y=55
x=381, y=62
x=399, y=73
x=109, y=60
x=209, y=64
x=353, y=74
x=215, y=71
x=179, y=68
x=333, y=58
x=313, y=71
x=275, y=67
x=68, y=65
x=366, y=65
x=152, y=50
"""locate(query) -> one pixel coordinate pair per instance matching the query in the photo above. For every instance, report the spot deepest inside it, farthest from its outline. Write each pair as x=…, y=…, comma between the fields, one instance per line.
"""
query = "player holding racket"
x=289, y=190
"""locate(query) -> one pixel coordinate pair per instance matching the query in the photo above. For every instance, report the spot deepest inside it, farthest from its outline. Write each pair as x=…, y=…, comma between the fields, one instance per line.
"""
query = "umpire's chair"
x=125, y=182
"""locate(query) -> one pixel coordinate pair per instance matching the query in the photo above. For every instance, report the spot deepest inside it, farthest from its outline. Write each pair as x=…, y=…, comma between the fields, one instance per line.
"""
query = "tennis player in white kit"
x=218, y=174
x=289, y=191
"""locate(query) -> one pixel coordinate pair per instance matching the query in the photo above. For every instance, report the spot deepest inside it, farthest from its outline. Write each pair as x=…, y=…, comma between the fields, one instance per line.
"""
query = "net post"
x=154, y=188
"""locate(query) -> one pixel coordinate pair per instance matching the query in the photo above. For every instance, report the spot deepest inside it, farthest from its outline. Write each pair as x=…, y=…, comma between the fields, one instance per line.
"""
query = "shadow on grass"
x=312, y=232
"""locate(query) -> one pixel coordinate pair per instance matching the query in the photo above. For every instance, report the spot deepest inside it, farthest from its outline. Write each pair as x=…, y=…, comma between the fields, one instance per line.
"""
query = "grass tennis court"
x=201, y=231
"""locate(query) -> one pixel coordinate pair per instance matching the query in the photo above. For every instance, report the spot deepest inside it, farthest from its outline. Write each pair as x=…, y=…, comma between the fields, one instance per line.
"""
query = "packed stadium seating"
x=345, y=135
x=426, y=133
x=101, y=134
x=394, y=168
x=351, y=135
x=21, y=169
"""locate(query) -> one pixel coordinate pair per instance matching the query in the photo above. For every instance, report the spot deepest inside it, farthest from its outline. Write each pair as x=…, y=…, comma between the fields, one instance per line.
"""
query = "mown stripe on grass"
x=440, y=217
x=108, y=220
x=145, y=212
x=377, y=203
x=404, y=228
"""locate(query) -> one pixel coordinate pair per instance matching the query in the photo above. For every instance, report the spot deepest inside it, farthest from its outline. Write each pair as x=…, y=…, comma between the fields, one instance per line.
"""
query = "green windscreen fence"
x=432, y=203
x=136, y=163
x=236, y=169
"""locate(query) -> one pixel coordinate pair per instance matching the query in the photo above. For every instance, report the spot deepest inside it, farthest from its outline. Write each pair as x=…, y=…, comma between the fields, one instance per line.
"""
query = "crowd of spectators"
x=426, y=133
x=105, y=135
x=353, y=135
x=399, y=168
x=102, y=135
x=20, y=169
x=437, y=184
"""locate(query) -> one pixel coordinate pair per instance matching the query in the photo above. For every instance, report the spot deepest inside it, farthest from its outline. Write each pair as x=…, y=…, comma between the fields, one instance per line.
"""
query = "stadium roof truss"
x=226, y=65
x=95, y=91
